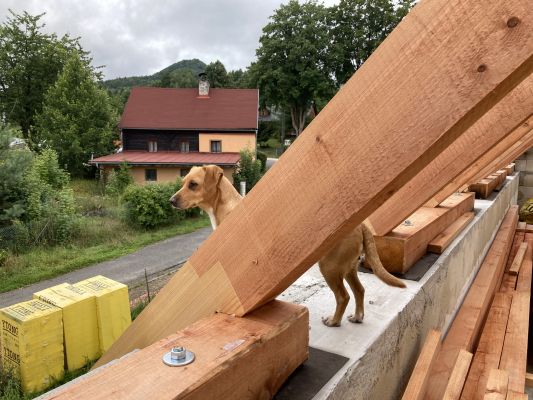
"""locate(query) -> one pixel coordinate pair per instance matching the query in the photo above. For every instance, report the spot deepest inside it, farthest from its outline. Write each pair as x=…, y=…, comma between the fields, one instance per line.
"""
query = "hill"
x=195, y=66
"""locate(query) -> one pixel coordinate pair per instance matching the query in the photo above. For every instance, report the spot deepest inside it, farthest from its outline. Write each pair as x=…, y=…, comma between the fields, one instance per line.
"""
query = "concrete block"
x=384, y=348
x=529, y=165
x=520, y=164
x=527, y=179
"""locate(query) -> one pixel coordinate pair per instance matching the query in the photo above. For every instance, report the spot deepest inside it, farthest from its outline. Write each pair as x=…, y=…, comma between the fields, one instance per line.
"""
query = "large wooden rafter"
x=494, y=127
x=434, y=76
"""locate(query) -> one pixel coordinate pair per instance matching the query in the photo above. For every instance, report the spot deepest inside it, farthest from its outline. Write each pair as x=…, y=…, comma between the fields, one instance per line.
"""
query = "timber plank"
x=517, y=262
x=529, y=379
x=514, y=353
x=512, y=395
x=485, y=187
x=523, y=283
x=458, y=376
x=416, y=388
x=490, y=347
x=407, y=243
x=443, y=240
x=510, y=168
x=314, y=195
x=497, y=385
x=508, y=149
x=236, y=358
x=466, y=327
x=521, y=227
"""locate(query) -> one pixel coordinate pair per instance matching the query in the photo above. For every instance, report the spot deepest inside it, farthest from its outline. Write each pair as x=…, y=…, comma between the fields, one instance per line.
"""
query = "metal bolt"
x=178, y=356
x=513, y=21
x=407, y=223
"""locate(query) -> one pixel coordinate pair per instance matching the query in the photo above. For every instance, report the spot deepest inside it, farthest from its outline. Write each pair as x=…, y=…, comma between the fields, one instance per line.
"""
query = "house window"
x=150, y=175
x=216, y=146
x=184, y=147
x=152, y=146
x=184, y=172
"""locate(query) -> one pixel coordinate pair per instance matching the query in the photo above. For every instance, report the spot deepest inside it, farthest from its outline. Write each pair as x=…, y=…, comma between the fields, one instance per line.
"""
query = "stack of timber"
x=400, y=249
x=236, y=358
x=484, y=353
x=486, y=186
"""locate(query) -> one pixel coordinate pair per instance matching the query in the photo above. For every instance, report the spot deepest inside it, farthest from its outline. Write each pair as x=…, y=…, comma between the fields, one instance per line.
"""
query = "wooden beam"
x=511, y=146
x=443, y=240
x=466, y=327
x=521, y=227
x=485, y=187
x=529, y=379
x=493, y=128
x=514, y=353
x=458, y=376
x=416, y=388
x=235, y=358
x=407, y=243
x=510, y=168
x=523, y=283
x=433, y=77
x=517, y=262
x=497, y=385
x=511, y=395
x=490, y=347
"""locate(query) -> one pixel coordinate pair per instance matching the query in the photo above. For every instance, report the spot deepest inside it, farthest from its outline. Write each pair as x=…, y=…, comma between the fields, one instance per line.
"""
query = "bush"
x=119, y=180
x=149, y=206
x=248, y=170
x=273, y=143
x=263, y=158
x=267, y=129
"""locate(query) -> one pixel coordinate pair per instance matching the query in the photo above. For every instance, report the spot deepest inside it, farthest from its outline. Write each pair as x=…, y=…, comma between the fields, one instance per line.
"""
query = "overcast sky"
x=140, y=37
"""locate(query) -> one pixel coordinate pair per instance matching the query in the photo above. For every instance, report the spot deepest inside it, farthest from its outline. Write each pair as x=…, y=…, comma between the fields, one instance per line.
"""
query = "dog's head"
x=199, y=188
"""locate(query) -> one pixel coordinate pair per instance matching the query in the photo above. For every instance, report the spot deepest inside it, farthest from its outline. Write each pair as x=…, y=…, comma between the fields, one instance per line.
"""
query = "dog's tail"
x=371, y=255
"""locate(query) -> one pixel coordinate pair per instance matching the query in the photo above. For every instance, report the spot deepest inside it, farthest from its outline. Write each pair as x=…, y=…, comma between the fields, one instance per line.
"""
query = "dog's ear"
x=213, y=175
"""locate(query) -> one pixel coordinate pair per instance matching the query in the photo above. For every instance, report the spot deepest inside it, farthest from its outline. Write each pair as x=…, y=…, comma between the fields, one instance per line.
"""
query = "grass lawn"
x=101, y=235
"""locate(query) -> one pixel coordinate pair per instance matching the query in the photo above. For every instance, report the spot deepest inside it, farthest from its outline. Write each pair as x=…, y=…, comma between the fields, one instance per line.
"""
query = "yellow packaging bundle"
x=112, y=306
x=80, y=324
x=32, y=343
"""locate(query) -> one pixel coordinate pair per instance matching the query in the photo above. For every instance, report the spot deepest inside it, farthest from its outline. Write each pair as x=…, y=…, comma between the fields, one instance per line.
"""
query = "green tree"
x=184, y=78
x=30, y=61
x=357, y=28
x=292, y=61
x=14, y=163
x=248, y=170
x=217, y=75
x=77, y=119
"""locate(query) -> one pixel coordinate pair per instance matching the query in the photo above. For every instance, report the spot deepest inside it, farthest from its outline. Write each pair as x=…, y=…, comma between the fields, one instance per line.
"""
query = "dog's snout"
x=174, y=201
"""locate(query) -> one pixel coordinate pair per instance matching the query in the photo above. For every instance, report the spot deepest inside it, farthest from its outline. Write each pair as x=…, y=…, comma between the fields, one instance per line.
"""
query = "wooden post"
x=433, y=77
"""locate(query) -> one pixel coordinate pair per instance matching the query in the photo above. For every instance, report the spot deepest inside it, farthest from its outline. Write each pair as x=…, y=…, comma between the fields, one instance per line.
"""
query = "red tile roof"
x=162, y=108
x=168, y=157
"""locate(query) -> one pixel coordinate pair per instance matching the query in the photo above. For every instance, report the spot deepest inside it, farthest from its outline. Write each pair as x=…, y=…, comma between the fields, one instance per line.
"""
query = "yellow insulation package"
x=80, y=324
x=32, y=343
x=112, y=306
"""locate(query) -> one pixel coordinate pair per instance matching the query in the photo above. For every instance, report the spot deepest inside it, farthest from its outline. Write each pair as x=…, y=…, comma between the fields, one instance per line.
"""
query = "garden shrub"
x=119, y=180
x=248, y=170
x=263, y=158
x=273, y=143
x=149, y=205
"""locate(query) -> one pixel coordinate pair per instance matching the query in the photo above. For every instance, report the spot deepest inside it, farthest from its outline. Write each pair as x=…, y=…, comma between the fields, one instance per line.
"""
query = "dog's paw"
x=357, y=319
x=328, y=321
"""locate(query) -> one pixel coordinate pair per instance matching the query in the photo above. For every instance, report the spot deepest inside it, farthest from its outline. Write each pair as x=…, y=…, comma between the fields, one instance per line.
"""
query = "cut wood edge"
x=497, y=383
x=446, y=237
x=518, y=259
x=416, y=388
x=458, y=376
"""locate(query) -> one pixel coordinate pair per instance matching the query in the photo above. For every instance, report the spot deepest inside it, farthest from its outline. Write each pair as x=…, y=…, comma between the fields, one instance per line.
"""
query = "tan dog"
x=207, y=187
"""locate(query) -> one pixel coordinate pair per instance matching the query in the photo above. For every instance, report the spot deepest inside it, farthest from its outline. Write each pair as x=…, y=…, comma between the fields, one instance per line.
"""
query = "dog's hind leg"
x=359, y=293
x=335, y=281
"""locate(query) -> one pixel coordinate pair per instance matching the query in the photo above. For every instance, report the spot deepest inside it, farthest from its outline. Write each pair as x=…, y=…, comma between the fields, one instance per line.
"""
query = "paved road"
x=155, y=258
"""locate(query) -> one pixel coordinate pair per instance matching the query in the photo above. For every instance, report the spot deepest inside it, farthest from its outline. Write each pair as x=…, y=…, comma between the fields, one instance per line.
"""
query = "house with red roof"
x=164, y=132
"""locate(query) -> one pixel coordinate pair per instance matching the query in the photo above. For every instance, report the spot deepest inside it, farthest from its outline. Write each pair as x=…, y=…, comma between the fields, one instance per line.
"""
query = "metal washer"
x=189, y=358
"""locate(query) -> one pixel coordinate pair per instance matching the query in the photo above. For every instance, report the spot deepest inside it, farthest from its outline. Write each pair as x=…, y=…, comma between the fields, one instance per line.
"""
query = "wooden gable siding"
x=137, y=139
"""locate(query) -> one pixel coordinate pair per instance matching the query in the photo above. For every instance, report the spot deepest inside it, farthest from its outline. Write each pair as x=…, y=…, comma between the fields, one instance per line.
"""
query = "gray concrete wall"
x=384, y=348
x=524, y=164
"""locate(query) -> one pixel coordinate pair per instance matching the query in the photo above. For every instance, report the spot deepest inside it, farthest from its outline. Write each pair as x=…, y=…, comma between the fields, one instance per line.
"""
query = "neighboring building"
x=164, y=132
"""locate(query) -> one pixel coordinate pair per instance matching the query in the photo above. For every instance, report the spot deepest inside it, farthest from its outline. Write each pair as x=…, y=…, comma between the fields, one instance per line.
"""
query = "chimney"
x=203, y=85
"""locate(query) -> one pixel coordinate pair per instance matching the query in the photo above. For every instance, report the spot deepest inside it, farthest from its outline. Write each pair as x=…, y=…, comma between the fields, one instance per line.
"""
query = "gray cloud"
x=143, y=36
